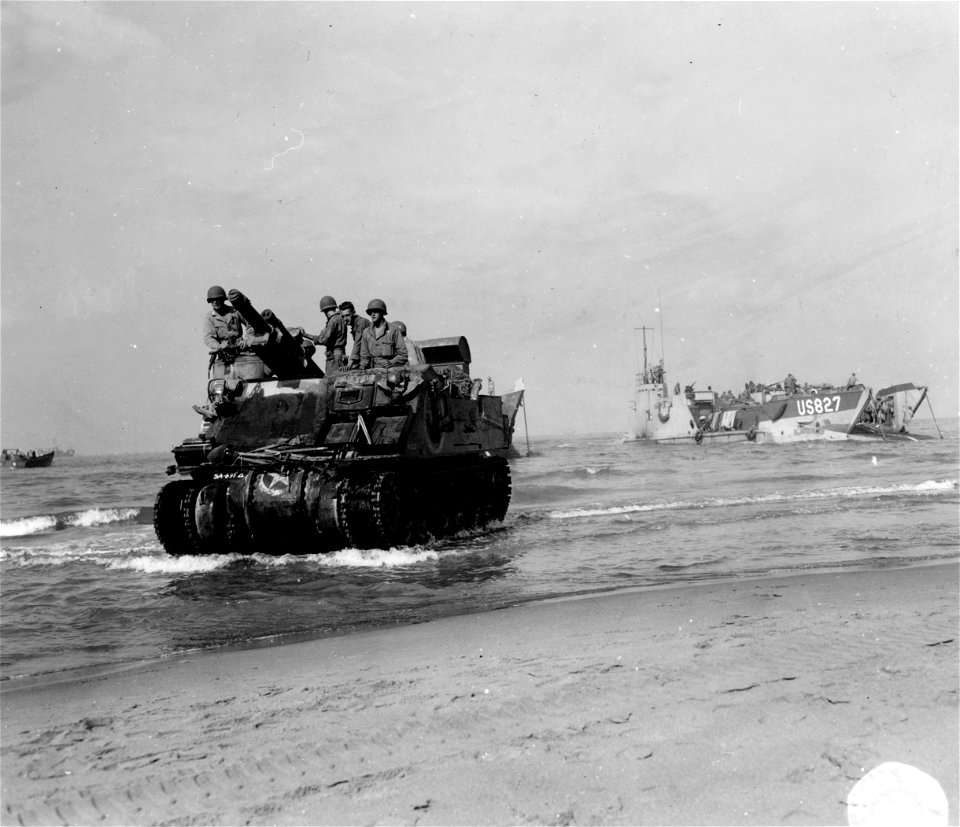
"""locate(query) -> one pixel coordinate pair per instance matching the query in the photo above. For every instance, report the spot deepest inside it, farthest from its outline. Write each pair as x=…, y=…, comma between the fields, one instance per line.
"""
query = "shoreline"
x=84, y=673
x=747, y=700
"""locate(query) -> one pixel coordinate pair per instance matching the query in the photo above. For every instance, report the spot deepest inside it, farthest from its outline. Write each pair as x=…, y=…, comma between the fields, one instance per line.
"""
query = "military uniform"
x=222, y=329
x=382, y=347
x=334, y=339
x=359, y=325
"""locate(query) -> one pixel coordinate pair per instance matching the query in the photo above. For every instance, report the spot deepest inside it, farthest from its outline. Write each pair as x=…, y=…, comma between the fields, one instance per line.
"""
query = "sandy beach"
x=737, y=702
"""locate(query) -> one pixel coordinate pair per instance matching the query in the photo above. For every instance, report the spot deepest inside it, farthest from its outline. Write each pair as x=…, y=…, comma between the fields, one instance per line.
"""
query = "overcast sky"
x=779, y=179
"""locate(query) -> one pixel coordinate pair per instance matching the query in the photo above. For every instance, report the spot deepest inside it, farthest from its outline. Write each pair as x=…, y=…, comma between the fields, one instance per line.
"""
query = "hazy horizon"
x=783, y=177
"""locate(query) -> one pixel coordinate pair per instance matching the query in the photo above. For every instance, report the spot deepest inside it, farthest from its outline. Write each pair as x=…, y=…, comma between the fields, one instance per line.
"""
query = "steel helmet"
x=328, y=303
x=216, y=292
x=377, y=304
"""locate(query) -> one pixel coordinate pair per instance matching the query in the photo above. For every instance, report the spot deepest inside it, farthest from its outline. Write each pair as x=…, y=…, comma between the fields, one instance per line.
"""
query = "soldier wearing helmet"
x=222, y=330
x=357, y=325
x=334, y=336
x=382, y=344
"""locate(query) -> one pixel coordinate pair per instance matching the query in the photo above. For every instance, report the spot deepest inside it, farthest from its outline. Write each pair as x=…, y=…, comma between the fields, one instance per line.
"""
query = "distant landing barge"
x=14, y=458
x=770, y=414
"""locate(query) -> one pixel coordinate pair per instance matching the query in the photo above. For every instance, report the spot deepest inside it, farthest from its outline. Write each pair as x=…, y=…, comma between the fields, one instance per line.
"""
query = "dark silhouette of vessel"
x=15, y=458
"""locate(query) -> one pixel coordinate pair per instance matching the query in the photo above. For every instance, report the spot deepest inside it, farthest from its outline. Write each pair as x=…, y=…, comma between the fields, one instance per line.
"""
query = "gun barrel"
x=248, y=312
x=291, y=346
x=284, y=357
x=271, y=319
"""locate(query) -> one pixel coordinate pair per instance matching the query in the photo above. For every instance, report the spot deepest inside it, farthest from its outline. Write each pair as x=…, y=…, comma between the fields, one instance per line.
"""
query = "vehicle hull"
x=302, y=463
x=663, y=417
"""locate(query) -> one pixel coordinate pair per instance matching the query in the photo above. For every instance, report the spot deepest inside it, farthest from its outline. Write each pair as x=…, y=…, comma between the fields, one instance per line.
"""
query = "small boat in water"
x=778, y=414
x=15, y=458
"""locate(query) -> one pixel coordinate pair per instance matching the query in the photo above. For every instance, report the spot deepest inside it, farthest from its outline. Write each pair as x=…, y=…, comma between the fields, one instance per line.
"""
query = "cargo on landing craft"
x=294, y=462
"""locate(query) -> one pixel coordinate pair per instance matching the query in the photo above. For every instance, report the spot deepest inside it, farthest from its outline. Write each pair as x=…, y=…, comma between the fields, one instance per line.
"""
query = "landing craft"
x=294, y=462
x=768, y=413
x=15, y=458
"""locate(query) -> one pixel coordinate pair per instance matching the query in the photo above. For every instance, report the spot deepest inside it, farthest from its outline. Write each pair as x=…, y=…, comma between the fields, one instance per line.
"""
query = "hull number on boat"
x=819, y=405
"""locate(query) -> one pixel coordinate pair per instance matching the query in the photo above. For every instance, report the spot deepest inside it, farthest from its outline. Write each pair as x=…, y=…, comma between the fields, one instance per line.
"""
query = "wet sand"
x=738, y=702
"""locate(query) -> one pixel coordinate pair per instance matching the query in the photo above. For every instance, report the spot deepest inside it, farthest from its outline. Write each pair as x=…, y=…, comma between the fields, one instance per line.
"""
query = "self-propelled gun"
x=291, y=461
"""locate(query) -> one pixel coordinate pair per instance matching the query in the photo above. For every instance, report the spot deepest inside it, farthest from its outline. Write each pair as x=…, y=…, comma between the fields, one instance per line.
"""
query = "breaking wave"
x=44, y=523
x=345, y=558
x=930, y=487
x=139, y=555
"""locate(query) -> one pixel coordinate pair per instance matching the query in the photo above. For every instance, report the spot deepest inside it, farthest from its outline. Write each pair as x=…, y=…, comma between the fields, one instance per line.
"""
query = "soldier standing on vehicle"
x=357, y=325
x=381, y=345
x=222, y=330
x=334, y=336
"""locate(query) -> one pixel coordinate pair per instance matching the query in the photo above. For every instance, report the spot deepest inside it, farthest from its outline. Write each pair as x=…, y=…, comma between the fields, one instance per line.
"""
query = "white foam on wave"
x=936, y=485
x=616, y=509
x=61, y=554
x=923, y=488
x=100, y=516
x=134, y=552
x=345, y=558
x=357, y=558
x=25, y=526
x=149, y=564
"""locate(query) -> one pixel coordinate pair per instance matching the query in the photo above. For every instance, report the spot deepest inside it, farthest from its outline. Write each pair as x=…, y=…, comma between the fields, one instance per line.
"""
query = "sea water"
x=84, y=582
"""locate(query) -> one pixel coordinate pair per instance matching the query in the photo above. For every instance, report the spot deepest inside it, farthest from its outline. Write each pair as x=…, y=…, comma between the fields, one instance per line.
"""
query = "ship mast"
x=644, y=377
x=660, y=314
x=644, y=353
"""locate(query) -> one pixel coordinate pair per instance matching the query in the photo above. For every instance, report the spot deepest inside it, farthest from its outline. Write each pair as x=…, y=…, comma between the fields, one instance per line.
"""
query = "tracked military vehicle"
x=291, y=461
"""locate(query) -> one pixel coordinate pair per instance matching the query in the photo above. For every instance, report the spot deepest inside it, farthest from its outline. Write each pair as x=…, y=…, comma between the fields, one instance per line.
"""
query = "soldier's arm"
x=365, y=358
x=251, y=339
x=329, y=333
x=400, y=350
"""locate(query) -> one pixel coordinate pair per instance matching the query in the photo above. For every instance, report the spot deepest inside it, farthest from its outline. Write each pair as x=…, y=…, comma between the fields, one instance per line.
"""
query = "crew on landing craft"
x=885, y=411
